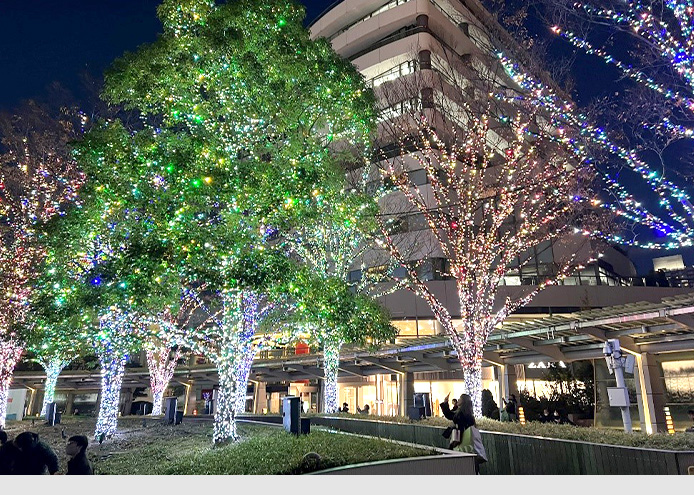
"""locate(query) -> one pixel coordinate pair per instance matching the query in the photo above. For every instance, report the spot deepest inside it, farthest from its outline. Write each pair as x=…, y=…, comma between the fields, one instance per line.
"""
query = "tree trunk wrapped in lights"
x=496, y=188
x=161, y=362
x=229, y=339
x=331, y=363
x=118, y=335
x=53, y=367
x=10, y=352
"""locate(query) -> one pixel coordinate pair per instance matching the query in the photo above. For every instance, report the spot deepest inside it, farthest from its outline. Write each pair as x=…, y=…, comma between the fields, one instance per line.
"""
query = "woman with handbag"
x=465, y=436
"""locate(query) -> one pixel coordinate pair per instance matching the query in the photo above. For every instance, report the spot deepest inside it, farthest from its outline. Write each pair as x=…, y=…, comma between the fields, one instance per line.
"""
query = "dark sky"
x=42, y=41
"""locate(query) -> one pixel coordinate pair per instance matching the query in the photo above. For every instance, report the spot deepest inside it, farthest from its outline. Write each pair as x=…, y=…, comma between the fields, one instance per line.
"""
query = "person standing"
x=76, y=449
x=464, y=420
x=512, y=408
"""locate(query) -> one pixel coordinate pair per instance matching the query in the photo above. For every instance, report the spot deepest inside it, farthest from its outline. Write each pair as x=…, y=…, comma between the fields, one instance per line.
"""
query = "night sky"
x=42, y=41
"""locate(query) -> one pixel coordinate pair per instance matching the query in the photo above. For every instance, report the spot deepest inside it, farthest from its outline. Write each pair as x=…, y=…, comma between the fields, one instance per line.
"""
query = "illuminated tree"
x=331, y=313
x=111, y=259
x=495, y=188
x=331, y=244
x=37, y=179
x=55, y=339
x=248, y=104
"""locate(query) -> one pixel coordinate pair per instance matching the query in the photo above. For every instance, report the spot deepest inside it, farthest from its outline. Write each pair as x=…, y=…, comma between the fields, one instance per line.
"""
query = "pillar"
x=650, y=393
x=259, y=397
x=69, y=403
x=191, y=398
x=508, y=383
x=406, y=391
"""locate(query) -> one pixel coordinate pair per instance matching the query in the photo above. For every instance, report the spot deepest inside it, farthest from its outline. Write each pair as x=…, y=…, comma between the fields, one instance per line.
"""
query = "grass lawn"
x=162, y=449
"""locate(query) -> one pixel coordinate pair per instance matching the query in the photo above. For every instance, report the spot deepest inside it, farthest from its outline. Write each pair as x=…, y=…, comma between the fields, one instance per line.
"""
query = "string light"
x=565, y=116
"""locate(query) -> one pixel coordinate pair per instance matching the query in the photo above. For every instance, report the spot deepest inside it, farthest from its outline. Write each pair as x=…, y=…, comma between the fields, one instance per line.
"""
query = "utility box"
x=291, y=410
x=618, y=396
x=171, y=406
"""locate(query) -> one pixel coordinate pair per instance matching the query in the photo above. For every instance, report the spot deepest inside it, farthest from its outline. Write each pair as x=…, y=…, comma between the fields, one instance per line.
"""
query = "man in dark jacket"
x=76, y=449
x=35, y=457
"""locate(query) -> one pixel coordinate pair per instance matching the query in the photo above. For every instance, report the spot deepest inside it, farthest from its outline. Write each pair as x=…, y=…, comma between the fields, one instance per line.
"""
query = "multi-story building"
x=391, y=43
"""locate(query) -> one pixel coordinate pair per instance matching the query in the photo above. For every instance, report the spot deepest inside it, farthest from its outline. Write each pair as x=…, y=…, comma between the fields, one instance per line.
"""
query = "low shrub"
x=678, y=441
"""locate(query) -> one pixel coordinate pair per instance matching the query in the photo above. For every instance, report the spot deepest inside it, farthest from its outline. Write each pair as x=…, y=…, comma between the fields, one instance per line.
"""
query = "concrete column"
x=69, y=403
x=507, y=383
x=191, y=398
x=651, y=395
x=406, y=391
x=259, y=397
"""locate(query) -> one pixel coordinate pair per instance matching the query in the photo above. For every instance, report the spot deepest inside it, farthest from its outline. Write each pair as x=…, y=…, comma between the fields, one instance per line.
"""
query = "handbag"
x=455, y=438
x=447, y=432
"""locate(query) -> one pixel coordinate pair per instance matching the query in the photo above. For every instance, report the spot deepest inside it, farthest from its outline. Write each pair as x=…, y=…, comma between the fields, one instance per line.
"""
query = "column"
x=259, y=397
x=69, y=403
x=406, y=391
x=508, y=383
x=651, y=394
x=191, y=398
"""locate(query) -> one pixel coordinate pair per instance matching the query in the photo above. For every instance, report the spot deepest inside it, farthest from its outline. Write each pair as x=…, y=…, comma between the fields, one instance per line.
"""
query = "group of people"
x=345, y=409
x=555, y=417
x=26, y=454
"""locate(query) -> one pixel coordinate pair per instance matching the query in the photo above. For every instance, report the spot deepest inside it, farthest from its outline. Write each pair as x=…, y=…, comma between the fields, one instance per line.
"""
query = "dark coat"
x=457, y=417
x=37, y=460
x=79, y=464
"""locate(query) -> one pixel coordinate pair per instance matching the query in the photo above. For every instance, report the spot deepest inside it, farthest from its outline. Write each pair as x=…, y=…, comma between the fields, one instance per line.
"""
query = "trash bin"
x=179, y=417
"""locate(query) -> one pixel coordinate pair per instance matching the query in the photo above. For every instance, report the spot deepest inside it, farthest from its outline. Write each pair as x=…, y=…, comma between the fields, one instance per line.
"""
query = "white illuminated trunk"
x=473, y=387
x=225, y=415
x=112, y=371
x=161, y=364
x=10, y=353
x=53, y=368
x=157, y=399
x=331, y=363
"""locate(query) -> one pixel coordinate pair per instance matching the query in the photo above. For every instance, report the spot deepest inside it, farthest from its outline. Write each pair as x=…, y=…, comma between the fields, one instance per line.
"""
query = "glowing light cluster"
x=673, y=199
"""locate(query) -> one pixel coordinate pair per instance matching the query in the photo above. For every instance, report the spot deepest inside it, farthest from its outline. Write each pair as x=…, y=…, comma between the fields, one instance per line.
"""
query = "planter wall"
x=452, y=464
x=517, y=454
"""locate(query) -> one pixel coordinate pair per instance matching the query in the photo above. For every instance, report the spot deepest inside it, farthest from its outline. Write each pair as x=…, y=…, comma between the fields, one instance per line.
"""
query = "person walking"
x=469, y=436
x=76, y=449
x=35, y=457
